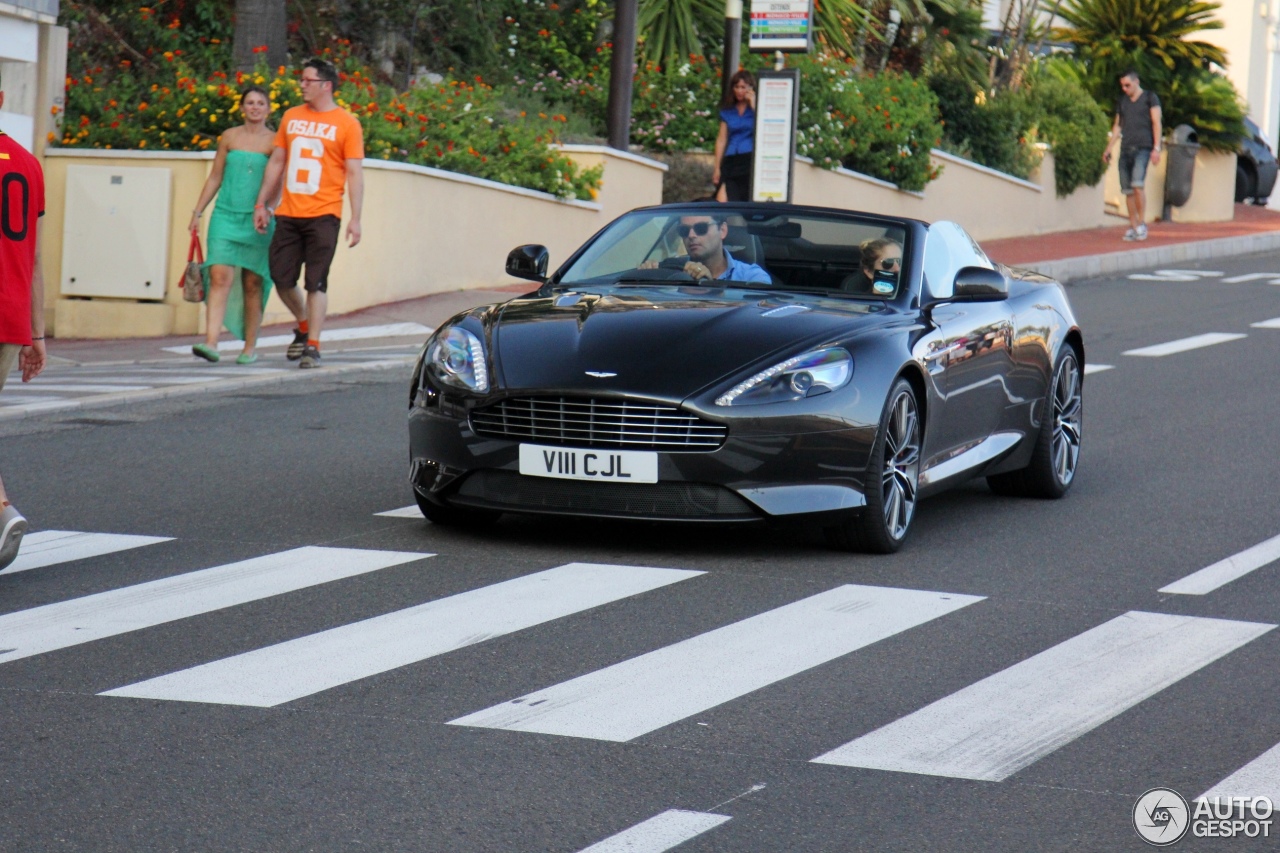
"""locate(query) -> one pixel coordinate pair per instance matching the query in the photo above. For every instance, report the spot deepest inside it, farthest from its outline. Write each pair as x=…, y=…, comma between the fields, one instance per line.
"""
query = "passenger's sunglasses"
x=890, y=263
x=699, y=228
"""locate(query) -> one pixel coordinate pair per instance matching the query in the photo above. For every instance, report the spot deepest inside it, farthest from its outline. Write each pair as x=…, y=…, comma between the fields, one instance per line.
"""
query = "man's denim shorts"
x=1133, y=168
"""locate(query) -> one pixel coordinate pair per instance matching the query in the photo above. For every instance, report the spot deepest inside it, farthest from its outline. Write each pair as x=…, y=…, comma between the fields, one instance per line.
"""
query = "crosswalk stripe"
x=403, y=512
x=106, y=614
x=1273, y=323
x=994, y=728
x=357, y=333
x=631, y=698
x=1097, y=368
x=1223, y=572
x=51, y=547
x=38, y=399
x=63, y=387
x=1258, y=778
x=659, y=833
x=287, y=671
x=1185, y=344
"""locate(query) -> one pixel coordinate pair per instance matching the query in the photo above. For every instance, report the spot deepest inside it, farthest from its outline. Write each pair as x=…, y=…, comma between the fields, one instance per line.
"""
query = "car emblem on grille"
x=601, y=374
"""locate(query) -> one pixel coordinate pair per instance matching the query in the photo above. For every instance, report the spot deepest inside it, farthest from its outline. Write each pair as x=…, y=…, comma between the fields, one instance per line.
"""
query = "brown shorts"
x=311, y=241
x=8, y=358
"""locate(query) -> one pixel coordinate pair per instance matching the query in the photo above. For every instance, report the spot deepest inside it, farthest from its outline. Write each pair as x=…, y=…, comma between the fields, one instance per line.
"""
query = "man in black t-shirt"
x=1137, y=123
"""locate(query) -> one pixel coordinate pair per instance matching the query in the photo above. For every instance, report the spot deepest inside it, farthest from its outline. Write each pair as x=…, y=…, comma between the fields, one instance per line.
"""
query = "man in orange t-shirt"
x=319, y=149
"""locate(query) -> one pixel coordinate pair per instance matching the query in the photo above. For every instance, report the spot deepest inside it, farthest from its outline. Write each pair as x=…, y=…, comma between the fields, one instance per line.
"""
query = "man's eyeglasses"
x=890, y=263
x=699, y=228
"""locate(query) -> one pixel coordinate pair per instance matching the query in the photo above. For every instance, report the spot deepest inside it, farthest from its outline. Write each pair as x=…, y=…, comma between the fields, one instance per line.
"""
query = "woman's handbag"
x=192, y=276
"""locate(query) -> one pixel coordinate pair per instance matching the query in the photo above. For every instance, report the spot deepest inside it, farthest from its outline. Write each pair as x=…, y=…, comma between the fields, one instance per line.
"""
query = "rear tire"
x=451, y=516
x=893, y=479
x=1246, y=183
x=1057, y=452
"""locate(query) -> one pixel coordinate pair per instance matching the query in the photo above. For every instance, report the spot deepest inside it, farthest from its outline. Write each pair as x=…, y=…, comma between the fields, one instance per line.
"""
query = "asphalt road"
x=1179, y=472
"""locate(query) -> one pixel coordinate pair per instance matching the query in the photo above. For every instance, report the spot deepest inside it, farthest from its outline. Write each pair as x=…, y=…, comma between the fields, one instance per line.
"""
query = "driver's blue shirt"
x=742, y=271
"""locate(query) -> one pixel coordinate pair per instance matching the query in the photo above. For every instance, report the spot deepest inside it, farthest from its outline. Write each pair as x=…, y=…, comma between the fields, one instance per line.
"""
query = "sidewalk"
x=107, y=373
x=1068, y=255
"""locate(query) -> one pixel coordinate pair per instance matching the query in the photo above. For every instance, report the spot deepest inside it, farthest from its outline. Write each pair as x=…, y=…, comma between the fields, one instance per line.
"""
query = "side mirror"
x=979, y=284
x=529, y=262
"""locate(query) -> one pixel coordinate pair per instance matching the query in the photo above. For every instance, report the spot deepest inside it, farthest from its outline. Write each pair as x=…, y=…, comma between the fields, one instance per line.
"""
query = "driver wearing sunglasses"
x=703, y=238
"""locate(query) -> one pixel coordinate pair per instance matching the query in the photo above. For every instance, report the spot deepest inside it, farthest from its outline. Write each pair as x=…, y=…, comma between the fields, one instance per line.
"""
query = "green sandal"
x=206, y=352
x=246, y=358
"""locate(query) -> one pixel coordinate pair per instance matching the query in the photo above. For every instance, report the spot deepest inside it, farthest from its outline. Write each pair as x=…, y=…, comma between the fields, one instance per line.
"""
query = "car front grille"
x=506, y=490
x=597, y=422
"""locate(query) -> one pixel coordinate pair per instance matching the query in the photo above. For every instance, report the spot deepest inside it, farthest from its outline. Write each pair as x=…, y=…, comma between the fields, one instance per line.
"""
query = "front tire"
x=450, y=516
x=1057, y=452
x=893, y=480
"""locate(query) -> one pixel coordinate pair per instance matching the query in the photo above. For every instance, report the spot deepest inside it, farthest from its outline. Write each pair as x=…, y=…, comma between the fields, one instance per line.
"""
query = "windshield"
x=839, y=255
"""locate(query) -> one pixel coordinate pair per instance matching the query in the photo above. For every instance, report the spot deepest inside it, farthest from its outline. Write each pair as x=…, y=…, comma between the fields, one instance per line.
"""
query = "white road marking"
x=659, y=833
x=1258, y=778
x=1005, y=722
x=1185, y=344
x=391, y=330
x=8, y=399
x=1223, y=572
x=403, y=512
x=281, y=673
x=1273, y=323
x=631, y=698
x=51, y=547
x=1097, y=368
x=84, y=388
x=1253, y=276
x=106, y=614
x=1175, y=275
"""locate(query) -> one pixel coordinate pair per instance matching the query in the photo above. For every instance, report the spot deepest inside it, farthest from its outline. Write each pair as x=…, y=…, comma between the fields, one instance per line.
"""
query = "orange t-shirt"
x=318, y=146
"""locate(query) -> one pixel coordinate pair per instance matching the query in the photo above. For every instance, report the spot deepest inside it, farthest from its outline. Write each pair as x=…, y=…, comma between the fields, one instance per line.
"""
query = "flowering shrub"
x=883, y=125
x=456, y=125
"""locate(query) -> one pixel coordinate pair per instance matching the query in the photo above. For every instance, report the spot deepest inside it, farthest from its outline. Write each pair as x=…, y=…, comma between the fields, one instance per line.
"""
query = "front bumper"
x=782, y=470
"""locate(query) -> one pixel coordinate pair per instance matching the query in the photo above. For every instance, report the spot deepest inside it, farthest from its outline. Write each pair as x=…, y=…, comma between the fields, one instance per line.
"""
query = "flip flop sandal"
x=244, y=358
x=206, y=352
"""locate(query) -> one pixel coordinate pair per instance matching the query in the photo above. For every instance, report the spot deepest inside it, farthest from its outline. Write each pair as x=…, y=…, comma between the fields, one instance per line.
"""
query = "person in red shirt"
x=21, y=294
x=319, y=150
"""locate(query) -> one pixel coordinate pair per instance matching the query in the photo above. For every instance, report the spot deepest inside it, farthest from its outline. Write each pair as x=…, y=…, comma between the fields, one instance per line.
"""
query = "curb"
x=1067, y=270
x=126, y=398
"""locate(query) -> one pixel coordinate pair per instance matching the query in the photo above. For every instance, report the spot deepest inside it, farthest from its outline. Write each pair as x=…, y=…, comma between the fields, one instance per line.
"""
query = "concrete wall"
x=425, y=231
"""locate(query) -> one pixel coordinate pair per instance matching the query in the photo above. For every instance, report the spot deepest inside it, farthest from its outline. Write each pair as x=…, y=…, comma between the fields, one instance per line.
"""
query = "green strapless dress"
x=232, y=239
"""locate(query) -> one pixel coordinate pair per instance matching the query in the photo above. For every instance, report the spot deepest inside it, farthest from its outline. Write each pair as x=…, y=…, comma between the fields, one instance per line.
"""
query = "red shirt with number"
x=318, y=146
x=21, y=204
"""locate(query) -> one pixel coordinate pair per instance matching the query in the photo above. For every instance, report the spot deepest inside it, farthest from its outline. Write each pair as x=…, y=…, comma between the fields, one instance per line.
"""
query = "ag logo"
x=1161, y=816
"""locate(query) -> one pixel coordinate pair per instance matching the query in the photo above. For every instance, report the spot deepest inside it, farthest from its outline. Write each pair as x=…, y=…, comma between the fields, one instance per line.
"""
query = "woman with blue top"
x=234, y=245
x=736, y=140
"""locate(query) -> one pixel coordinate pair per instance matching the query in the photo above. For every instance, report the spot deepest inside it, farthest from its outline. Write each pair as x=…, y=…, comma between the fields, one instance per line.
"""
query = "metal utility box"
x=115, y=232
x=1180, y=168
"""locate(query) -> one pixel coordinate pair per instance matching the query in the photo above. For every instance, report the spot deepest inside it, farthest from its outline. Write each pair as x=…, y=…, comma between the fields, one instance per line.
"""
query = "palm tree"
x=674, y=29
x=1120, y=33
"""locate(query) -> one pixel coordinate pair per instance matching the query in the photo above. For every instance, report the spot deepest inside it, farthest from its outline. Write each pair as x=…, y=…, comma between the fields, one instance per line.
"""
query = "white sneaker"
x=1130, y=235
x=12, y=526
x=1140, y=233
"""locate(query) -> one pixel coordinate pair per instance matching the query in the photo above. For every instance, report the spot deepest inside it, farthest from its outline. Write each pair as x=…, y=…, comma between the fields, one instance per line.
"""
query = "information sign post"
x=785, y=25
x=777, y=107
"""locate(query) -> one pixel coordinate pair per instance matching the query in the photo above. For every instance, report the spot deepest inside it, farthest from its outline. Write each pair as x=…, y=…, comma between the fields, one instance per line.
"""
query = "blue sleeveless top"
x=742, y=130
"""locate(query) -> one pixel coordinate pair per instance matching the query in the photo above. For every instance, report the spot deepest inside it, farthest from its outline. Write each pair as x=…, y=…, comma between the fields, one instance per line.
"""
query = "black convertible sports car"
x=733, y=363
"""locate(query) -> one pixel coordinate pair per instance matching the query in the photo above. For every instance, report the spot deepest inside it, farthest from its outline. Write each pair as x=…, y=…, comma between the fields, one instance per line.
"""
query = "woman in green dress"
x=233, y=243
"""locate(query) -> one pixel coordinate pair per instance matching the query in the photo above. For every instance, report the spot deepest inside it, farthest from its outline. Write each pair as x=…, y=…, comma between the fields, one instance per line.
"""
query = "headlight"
x=456, y=357
x=807, y=375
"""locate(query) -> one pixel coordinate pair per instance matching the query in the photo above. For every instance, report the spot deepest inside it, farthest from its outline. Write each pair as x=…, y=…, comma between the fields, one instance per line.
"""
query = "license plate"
x=568, y=463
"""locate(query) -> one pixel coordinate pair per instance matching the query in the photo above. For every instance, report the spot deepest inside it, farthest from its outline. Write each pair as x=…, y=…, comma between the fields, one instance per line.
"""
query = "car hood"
x=665, y=342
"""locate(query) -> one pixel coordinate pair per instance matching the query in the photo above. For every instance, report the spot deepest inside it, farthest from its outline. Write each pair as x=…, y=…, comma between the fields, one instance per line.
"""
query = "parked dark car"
x=1255, y=166
x=623, y=387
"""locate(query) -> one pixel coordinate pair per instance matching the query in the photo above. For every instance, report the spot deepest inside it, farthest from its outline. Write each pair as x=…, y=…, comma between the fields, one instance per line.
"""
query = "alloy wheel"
x=1067, y=420
x=901, y=473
